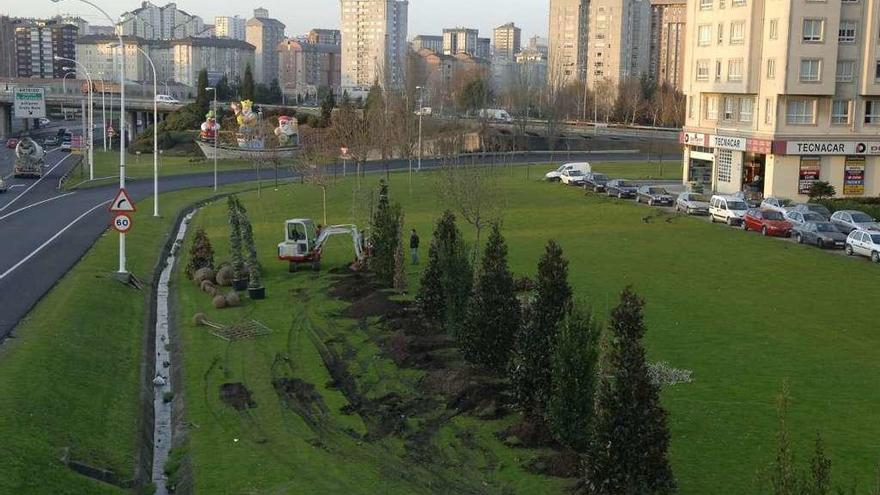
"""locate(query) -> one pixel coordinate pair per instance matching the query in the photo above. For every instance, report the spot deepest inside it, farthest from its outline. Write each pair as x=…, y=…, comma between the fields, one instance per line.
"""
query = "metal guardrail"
x=64, y=178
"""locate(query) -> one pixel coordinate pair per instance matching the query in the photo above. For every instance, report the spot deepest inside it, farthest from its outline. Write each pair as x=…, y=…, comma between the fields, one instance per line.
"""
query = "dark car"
x=822, y=234
x=621, y=188
x=653, y=195
x=767, y=222
x=11, y=143
x=596, y=182
x=814, y=208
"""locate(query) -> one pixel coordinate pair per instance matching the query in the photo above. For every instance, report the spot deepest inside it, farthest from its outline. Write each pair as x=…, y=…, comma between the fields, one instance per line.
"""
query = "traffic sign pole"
x=121, y=206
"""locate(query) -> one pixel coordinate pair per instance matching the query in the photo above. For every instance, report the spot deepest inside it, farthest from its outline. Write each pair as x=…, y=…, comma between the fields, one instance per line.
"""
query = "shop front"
x=726, y=164
x=851, y=167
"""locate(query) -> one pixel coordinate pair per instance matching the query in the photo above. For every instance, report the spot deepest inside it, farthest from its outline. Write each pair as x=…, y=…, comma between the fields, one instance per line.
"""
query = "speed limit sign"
x=121, y=223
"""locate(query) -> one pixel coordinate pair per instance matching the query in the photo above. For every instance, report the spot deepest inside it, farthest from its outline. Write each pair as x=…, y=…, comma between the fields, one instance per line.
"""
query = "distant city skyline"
x=425, y=16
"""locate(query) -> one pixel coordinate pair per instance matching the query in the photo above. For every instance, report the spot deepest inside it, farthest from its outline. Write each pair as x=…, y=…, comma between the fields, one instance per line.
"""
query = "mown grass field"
x=69, y=379
x=744, y=313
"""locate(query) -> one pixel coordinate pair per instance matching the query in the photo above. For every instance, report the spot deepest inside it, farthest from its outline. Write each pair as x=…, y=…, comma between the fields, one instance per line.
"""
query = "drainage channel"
x=162, y=373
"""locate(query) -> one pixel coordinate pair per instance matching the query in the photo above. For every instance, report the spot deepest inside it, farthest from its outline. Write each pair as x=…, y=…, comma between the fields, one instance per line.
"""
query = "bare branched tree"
x=472, y=191
x=312, y=163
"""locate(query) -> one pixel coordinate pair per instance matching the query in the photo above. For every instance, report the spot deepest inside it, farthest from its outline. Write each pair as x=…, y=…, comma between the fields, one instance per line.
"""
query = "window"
x=840, y=112
x=739, y=3
x=850, y=1
x=712, y=107
x=771, y=68
x=746, y=108
x=872, y=111
x=800, y=112
x=847, y=32
x=877, y=70
x=720, y=33
x=813, y=30
x=774, y=29
x=735, y=70
x=725, y=166
x=705, y=4
x=845, y=70
x=768, y=111
x=717, y=70
x=737, y=32
x=704, y=37
x=811, y=70
x=690, y=107
x=728, y=108
x=702, y=70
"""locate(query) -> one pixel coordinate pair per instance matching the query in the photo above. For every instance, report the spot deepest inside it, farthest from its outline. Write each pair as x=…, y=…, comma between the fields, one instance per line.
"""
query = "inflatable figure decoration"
x=287, y=131
x=210, y=127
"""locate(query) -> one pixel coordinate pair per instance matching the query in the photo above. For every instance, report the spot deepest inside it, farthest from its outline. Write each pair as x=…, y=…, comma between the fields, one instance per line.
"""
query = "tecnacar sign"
x=832, y=148
x=728, y=143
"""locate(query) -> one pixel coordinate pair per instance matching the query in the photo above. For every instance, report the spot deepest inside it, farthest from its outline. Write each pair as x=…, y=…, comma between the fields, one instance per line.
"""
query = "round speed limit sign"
x=121, y=223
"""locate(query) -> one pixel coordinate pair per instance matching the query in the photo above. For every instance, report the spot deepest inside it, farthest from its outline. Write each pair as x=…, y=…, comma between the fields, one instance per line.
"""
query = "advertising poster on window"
x=811, y=166
x=854, y=176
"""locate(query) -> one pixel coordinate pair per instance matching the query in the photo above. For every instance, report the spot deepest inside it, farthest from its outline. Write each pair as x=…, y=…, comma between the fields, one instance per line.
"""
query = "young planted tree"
x=400, y=281
x=536, y=342
x=201, y=254
x=573, y=381
x=203, y=101
x=489, y=330
x=353, y=131
x=328, y=103
x=628, y=452
x=248, y=91
x=385, y=236
x=473, y=191
x=235, y=242
x=447, y=280
x=255, y=277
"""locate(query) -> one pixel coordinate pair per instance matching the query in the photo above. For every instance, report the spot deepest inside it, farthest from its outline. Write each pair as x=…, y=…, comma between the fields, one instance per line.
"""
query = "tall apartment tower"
x=508, y=41
x=781, y=94
x=265, y=34
x=373, y=42
x=36, y=45
x=668, y=21
x=568, y=41
x=152, y=22
x=618, y=40
x=7, y=46
x=460, y=40
x=233, y=28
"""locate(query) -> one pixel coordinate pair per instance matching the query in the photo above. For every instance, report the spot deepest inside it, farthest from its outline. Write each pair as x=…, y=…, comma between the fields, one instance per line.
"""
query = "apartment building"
x=37, y=42
x=428, y=42
x=668, y=22
x=373, y=43
x=325, y=36
x=508, y=41
x=781, y=94
x=152, y=22
x=307, y=66
x=7, y=46
x=234, y=28
x=568, y=41
x=265, y=33
x=618, y=40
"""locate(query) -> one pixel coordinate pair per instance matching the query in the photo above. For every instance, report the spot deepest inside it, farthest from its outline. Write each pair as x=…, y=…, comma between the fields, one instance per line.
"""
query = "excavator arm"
x=336, y=230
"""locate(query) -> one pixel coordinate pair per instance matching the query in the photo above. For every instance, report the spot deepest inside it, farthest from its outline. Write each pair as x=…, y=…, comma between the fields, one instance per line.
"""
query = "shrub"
x=225, y=276
x=201, y=254
x=821, y=190
x=219, y=302
x=233, y=299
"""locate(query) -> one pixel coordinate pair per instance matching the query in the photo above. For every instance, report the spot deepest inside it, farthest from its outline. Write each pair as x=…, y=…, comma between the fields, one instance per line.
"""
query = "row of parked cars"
x=809, y=223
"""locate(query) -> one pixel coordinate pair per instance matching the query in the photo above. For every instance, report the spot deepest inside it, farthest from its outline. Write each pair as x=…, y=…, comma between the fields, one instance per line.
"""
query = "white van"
x=556, y=175
x=167, y=99
x=727, y=209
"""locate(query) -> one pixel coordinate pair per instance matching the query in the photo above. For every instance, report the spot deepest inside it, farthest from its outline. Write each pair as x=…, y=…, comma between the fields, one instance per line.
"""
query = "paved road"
x=45, y=232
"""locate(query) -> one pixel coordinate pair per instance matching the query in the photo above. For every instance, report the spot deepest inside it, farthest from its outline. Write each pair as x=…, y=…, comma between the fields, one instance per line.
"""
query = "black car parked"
x=596, y=182
x=621, y=188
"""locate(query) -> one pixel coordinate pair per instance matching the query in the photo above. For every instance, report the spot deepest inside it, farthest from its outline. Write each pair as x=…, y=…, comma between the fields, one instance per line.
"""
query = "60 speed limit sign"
x=121, y=223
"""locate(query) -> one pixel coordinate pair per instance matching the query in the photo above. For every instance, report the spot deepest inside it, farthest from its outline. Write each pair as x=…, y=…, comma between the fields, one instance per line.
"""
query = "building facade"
x=568, y=41
x=7, y=46
x=618, y=41
x=325, y=36
x=38, y=42
x=668, y=22
x=373, y=42
x=780, y=98
x=508, y=41
x=428, y=42
x=101, y=59
x=460, y=40
x=218, y=56
x=532, y=65
x=265, y=34
x=152, y=22
x=306, y=67
x=234, y=28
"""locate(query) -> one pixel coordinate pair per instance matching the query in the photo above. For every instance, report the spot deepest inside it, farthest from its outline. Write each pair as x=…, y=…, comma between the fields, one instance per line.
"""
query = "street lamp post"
x=421, y=111
x=216, y=135
x=64, y=90
x=91, y=134
x=103, y=112
x=122, y=269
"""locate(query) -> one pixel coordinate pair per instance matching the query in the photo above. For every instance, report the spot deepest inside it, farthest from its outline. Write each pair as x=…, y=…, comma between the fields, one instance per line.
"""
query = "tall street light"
x=122, y=270
x=91, y=134
x=216, y=134
x=64, y=90
x=421, y=112
x=103, y=111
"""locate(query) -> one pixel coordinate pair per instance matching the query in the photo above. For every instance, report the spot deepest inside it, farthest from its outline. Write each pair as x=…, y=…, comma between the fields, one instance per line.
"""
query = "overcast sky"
x=425, y=16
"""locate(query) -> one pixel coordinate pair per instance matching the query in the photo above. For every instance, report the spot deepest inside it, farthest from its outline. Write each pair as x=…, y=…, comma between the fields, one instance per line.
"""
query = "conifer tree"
x=628, y=452
x=385, y=236
x=489, y=329
x=247, y=85
x=447, y=279
x=573, y=381
x=399, y=262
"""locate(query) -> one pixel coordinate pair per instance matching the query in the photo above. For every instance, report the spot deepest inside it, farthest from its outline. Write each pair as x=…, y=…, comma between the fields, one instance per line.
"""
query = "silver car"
x=692, y=204
x=849, y=220
x=813, y=207
x=654, y=196
x=800, y=218
x=778, y=204
x=822, y=234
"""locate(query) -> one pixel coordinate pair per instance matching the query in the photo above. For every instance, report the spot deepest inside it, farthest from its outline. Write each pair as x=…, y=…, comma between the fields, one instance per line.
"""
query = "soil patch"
x=529, y=434
x=375, y=304
x=353, y=287
x=237, y=396
x=302, y=398
x=468, y=390
x=565, y=464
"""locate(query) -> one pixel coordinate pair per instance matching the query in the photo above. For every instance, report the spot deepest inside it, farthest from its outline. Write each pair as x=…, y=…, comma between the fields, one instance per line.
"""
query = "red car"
x=767, y=222
x=12, y=143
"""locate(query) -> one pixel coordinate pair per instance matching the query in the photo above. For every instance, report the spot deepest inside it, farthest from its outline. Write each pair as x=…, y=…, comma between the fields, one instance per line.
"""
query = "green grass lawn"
x=743, y=312
x=667, y=169
x=69, y=380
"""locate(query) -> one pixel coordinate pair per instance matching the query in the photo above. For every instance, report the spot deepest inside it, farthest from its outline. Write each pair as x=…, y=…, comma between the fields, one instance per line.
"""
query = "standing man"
x=414, y=247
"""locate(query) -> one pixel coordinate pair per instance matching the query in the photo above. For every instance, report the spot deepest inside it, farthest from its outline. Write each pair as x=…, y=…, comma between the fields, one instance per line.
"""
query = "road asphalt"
x=45, y=231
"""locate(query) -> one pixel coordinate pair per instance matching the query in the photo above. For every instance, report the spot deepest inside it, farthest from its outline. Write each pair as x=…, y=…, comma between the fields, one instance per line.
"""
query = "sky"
x=425, y=16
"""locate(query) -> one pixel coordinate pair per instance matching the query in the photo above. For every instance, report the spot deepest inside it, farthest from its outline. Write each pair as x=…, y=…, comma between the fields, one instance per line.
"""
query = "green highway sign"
x=30, y=103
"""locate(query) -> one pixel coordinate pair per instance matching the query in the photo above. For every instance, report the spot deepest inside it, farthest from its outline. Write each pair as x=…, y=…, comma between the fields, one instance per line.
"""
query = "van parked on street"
x=727, y=209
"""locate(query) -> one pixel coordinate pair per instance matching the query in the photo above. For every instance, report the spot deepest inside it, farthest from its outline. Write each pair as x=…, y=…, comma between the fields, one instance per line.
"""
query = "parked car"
x=168, y=100
x=44, y=122
x=11, y=143
x=864, y=243
x=596, y=182
x=621, y=188
x=779, y=204
x=51, y=141
x=767, y=222
x=822, y=234
x=573, y=177
x=556, y=175
x=849, y=220
x=727, y=209
x=800, y=217
x=653, y=195
x=813, y=207
x=692, y=204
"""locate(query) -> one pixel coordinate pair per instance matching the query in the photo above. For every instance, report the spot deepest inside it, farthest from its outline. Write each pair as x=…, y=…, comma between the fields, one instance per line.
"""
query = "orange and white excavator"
x=304, y=244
